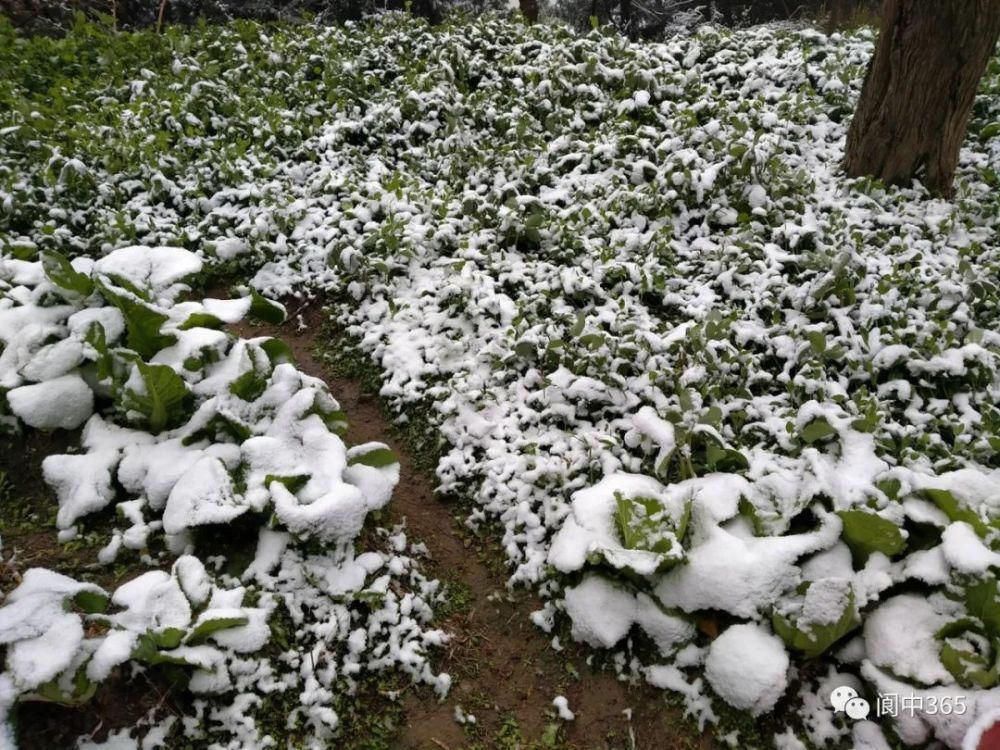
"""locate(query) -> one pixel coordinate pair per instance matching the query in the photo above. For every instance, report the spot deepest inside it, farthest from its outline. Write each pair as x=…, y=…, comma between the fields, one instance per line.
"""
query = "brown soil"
x=503, y=666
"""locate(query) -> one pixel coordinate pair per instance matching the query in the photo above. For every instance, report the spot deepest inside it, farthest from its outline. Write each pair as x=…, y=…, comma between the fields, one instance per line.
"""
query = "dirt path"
x=505, y=670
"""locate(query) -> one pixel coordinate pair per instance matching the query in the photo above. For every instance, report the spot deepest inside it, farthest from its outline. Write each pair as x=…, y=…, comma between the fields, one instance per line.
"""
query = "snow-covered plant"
x=185, y=426
x=63, y=637
x=197, y=426
x=697, y=376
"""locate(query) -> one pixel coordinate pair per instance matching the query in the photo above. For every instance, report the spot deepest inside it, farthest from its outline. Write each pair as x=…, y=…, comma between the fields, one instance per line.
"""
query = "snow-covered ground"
x=693, y=372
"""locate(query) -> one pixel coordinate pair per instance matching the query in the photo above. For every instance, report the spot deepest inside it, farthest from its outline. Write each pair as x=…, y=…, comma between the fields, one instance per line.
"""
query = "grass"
x=345, y=359
x=509, y=736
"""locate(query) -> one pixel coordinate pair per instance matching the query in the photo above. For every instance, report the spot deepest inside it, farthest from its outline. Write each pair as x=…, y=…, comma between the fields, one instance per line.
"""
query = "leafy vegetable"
x=143, y=324
x=163, y=400
x=61, y=273
x=867, y=532
x=377, y=457
x=814, y=639
x=265, y=310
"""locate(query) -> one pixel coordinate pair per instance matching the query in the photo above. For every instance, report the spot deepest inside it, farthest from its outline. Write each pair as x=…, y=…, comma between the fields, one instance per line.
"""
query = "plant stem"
x=159, y=16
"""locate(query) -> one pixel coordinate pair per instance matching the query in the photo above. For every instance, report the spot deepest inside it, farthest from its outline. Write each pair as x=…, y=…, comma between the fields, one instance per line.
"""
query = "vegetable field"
x=729, y=415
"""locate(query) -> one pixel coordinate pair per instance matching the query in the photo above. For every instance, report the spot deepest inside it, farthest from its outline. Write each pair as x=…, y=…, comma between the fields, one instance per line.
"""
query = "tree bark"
x=625, y=11
x=919, y=90
x=529, y=9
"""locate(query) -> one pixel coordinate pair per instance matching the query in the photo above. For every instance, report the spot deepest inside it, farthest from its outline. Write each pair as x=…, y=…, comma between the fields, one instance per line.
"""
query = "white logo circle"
x=840, y=697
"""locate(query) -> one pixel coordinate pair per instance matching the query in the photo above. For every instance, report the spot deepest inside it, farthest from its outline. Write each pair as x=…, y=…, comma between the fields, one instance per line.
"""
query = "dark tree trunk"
x=919, y=91
x=625, y=10
x=529, y=9
x=426, y=9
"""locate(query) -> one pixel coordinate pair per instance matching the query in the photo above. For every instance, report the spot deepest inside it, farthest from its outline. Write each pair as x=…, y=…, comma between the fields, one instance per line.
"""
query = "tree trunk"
x=426, y=9
x=529, y=9
x=919, y=91
x=625, y=10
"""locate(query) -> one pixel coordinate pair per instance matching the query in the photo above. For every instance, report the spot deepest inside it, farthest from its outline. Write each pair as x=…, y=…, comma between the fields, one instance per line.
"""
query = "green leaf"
x=890, y=487
x=210, y=625
x=814, y=639
x=982, y=601
x=377, y=457
x=277, y=351
x=592, y=340
x=969, y=653
x=954, y=509
x=969, y=668
x=201, y=320
x=142, y=324
x=643, y=524
x=145, y=649
x=991, y=130
x=292, y=483
x=817, y=341
x=720, y=458
x=168, y=637
x=524, y=349
x=866, y=532
x=167, y=402
x=249, y=386
x=817, y=430
x=219, y=425
x=334, y=419
x=95, y=336
x=91, y=602
x=265, y=310
x=749, y=510
x=82, y=690
x=61, y=273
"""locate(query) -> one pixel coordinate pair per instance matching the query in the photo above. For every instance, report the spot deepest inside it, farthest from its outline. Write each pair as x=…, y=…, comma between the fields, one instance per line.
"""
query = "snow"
x=747, y=666
x=63, y=403
x=649, y=292
x=742, y=576
x=965, y=552
x=590, y=529
x=602, y=613
x=83, y=484
x=203, y=495
x=110, y=319
x=152, y=601
x=867, y=735
x=562, y=708
x=156, y=268
x=229, y=248
x=193, y=579
x=115, y=649
x=34, y=661
x=900, y=635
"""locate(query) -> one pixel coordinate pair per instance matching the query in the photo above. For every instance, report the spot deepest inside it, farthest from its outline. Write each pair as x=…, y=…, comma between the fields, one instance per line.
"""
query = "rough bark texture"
x=529, y=9
x=914, y=109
